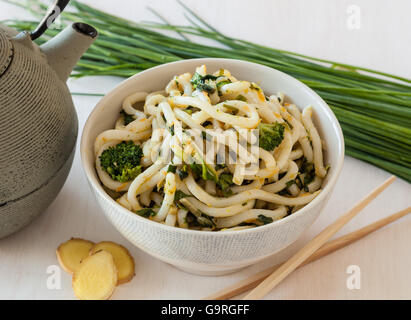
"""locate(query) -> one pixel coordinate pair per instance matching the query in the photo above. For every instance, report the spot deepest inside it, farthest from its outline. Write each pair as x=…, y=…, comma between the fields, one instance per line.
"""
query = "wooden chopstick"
x=334, y=245
x=290, y=265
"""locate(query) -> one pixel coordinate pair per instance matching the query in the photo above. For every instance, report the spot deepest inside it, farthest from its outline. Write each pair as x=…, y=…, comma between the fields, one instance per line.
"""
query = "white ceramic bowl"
x=205, y=252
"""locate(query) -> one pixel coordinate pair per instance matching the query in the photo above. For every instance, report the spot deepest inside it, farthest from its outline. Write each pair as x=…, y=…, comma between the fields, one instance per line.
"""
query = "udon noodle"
x=204, y=162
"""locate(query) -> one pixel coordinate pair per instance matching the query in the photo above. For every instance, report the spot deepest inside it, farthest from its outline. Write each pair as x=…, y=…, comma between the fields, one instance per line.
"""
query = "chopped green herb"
x=253, y=86
x=225, y=181
x=190, y=110
x=182, y=172
x=298, y=182
x=290, y=183
x=262, y=218
x=241, y=98
x=146, y=212
x=220, y=166
x=220, y=84
x=206, y=221
x=307, y=168
x=223, y=83
x=180, y=195
x=202, y=83
x=128, y=118
x=172, y=130
x=171, y=168
x=270, y=135
x=203, y=171
x=284, y=192
x=232, y=109
x=290, y=126
x=281, y=175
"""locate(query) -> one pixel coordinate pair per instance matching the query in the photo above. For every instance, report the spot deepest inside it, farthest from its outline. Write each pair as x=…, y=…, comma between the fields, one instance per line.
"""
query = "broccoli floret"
x=271, y=135
x=122, y=162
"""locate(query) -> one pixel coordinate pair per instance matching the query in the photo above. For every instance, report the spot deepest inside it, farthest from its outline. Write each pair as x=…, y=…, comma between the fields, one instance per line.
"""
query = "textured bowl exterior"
x=38, y=132
x=205, y=252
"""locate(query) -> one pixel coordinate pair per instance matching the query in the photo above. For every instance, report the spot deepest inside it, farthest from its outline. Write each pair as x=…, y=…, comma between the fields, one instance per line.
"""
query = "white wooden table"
x=319, y=28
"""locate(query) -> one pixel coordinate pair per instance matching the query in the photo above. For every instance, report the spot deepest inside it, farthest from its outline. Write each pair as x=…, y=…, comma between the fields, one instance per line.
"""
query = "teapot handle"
x=54, y=11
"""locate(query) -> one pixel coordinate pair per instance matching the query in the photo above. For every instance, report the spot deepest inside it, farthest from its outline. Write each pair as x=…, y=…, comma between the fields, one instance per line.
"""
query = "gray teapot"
x=38, y=122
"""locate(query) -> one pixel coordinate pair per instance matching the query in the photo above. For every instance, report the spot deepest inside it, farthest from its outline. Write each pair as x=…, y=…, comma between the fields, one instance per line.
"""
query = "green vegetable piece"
x=290, y=183
x=190, y=110
x=128, y=118
x=206, y=221
x=180, y=195
x=232, y=109
x=146, y=212
x=241, y=98
x=182, y=172
x=308, y=169
x=202, y=83
x=225, y=181
x=262, y=218
x=220, y=166
x=171, y=168
x=203, y=171
x=270, y=135
x=222, y=83
x=172, y=130
x=122, y=162
x=253, y=86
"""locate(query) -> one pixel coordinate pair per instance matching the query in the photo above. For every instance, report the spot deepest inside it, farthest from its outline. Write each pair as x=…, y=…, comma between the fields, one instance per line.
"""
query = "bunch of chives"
x=374, y=108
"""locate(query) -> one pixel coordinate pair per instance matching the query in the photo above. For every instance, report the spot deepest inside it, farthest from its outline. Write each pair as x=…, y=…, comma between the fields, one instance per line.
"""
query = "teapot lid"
x=6, y=52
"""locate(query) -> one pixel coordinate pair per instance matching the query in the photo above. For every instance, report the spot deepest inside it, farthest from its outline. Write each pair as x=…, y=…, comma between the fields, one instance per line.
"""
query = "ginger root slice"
x=96, y=278
x=122, y=259
x=71, y=252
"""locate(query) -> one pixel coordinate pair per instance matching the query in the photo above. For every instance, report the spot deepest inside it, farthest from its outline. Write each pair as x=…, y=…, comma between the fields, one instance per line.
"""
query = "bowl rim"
x=97, y=187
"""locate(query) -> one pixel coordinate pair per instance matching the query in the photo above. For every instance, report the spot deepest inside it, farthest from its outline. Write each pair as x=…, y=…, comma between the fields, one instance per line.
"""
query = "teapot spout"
x=65, y=49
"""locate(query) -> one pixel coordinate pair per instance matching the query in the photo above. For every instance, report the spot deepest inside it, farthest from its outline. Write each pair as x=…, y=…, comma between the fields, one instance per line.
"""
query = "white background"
x=317, y=28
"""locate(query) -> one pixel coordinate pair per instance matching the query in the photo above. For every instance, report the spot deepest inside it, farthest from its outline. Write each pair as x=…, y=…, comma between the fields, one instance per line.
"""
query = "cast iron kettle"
x=38, y=122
